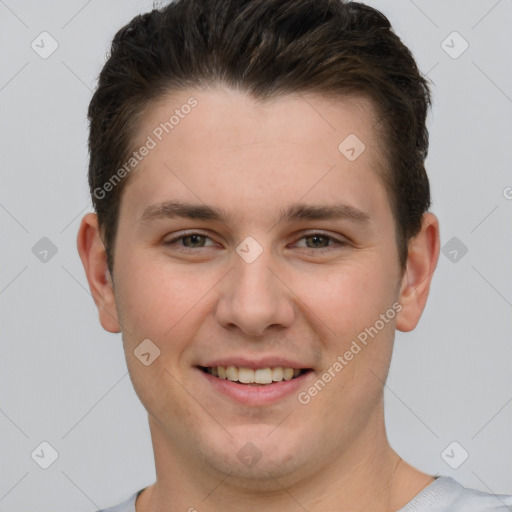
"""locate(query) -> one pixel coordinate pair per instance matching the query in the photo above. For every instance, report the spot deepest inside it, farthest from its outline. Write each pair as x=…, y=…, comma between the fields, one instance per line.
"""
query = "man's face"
x=257, y=288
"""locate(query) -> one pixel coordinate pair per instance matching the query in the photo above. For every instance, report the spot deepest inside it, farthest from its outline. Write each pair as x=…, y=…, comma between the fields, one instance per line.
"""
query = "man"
x=261, y=231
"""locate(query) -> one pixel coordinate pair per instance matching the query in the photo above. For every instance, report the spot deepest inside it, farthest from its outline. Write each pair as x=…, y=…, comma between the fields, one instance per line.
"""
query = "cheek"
x=349, y=303
x=159, y=300
x=350, y=296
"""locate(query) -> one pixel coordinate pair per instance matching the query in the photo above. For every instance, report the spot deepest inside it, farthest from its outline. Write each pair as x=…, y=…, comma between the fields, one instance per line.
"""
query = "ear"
x=94, y=259
x=423, y=254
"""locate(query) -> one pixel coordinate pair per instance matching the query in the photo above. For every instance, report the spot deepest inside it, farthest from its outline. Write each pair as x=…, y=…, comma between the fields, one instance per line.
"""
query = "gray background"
x=63, y=379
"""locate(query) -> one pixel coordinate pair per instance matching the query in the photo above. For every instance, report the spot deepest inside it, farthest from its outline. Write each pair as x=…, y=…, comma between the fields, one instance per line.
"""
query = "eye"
x=320, y=241
x=190, y=241
x=317, y=241
x=193, y=241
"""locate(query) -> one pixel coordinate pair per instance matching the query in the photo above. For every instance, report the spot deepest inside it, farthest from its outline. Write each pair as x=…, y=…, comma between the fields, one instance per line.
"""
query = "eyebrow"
x=302, y=211
x=173, y=209
x=298, y=211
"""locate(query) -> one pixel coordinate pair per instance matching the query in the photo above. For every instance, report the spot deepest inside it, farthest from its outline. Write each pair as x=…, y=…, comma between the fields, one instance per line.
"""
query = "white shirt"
x=442, y=495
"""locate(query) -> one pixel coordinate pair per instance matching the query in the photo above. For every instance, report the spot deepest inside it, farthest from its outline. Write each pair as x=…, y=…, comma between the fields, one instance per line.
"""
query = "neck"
x=363, y=476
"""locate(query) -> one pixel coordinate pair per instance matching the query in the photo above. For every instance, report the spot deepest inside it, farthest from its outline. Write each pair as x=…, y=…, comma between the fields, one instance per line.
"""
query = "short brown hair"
x=266, y=48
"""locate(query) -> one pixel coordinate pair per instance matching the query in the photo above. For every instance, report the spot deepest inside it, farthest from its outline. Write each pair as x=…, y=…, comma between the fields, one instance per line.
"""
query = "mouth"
x=255, y=376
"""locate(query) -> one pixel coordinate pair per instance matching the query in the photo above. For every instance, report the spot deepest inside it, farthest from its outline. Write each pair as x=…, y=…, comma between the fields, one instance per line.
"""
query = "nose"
x=254, y=298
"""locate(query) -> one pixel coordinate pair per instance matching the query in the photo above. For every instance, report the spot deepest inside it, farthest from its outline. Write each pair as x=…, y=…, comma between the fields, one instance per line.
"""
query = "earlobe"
x=422, y=260
x=94, y=259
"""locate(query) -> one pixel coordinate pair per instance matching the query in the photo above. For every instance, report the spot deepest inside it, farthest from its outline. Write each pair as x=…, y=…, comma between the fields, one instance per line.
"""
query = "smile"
x=259, y=376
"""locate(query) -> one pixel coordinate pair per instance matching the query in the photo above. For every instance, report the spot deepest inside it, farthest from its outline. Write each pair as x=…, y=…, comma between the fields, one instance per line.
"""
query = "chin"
x=256, y=455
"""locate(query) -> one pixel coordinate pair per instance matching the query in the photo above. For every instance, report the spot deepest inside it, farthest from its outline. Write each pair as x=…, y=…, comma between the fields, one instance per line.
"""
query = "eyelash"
x=333, y=243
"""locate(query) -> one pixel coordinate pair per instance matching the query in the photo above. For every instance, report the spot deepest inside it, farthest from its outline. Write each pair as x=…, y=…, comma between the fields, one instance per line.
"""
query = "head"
x=266, y=49
x=238, y=227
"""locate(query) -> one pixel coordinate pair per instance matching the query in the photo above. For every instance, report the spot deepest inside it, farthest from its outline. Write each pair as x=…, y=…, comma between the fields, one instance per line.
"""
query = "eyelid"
x=182, y=234
x=337, y=240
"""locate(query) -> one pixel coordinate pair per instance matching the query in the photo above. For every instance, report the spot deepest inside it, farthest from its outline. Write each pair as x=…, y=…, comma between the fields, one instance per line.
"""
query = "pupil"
x=319, y=240
x=195, y=240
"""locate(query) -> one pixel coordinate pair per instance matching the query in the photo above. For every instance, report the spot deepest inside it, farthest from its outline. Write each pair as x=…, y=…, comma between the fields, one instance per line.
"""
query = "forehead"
x=222, y=111
x=221, y=141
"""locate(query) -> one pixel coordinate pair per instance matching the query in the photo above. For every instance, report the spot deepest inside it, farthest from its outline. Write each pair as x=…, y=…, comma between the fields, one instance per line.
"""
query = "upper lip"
x=256, y=363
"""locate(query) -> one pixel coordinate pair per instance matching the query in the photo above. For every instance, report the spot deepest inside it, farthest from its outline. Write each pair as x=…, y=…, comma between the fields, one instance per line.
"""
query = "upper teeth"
x=249, y=376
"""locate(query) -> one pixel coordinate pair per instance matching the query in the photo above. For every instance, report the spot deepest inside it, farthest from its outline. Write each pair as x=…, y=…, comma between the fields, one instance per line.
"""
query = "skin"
x=303, y=298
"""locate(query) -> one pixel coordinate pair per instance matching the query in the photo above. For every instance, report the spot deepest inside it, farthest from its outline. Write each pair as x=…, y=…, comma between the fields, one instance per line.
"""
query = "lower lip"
x=257, y=394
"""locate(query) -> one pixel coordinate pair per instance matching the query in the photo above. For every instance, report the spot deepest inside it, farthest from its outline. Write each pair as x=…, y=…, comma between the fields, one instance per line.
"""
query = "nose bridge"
x=254, y=281
x=253, y=298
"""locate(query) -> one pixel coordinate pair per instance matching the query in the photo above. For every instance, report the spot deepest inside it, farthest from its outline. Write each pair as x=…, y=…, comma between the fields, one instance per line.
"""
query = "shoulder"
x=126, y=506
x=447, y=495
